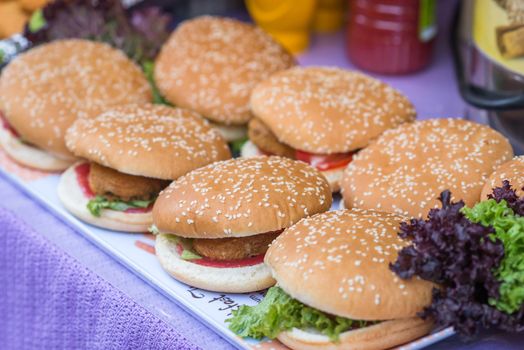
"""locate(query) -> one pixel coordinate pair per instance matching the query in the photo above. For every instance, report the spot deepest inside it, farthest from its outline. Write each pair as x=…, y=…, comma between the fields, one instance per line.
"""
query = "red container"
x=391, y=36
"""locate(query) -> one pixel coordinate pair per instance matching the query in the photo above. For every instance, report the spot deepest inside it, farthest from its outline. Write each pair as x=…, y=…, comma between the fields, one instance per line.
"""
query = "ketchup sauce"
x=82, y=175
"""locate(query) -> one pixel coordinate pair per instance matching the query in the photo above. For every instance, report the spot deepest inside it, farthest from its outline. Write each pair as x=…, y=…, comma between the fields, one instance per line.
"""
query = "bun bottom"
x=383, y=335
x=333, y=176
x=231, y=133
x=74, y=200
x=224, y=280
x=31, y=156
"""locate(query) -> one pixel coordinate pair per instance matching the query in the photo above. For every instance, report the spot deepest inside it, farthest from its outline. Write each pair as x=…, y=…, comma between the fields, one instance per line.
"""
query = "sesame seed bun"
x=211, y=64
x=225, y=280
x=147, y=140
x=241, y=197
x=513, y=171
x=384, y=335
x=73, y=199
x=407, y=168
x=333, y=176
x=43, y=91
x=328, y=110
x=31, y=156
x=338, y=262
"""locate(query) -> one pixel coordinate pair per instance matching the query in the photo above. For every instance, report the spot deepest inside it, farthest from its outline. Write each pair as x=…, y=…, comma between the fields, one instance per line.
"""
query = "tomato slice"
x=325, y=161
x=255, y=260
x=82, y=174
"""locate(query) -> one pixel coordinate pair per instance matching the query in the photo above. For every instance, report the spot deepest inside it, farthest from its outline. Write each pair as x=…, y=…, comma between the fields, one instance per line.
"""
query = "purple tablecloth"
x=50, y=300
x=59, y=291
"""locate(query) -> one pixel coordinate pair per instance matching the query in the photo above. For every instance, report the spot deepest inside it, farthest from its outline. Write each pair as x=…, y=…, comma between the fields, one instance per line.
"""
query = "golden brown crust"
x=266, y=141
x=234, y=248
x=43, y=91
x=513, y=171
x=74, y=201
x=111, y=183
x=148, y=140
x=218, y=279
x=338, y=262
x=241, y=197
x=211, y=64
x=384, y=335
x=328, y=110
x=407, y=168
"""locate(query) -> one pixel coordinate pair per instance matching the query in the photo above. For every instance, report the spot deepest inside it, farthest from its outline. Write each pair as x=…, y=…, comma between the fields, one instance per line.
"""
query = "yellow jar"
x=329, y=15
x=288, y=21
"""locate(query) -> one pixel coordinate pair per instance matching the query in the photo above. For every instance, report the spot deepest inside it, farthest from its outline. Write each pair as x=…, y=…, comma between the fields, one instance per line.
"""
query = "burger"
x=43, y=91
x=214, y=224
x=322, y=116
x=211, y=64
x=130, y=154
x=334, y=286
x=512, y=171
x=406, y=169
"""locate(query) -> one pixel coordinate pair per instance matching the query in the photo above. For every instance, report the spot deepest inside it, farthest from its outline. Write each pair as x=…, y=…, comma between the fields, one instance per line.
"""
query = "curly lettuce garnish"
x=279, y=312
x=139, y=33
x=476, y=255
x=97, y=204
x=149, y=68
x=509, y=228
x=509, y=194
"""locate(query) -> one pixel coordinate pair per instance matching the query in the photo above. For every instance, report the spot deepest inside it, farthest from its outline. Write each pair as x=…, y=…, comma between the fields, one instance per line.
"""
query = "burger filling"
x=235, y=247
x=268, y=144
x=111, y=189
x=279, y=312
x=224, y=252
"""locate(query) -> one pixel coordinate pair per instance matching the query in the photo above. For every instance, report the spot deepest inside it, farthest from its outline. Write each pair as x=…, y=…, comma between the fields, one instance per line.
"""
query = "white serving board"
x=136, y=252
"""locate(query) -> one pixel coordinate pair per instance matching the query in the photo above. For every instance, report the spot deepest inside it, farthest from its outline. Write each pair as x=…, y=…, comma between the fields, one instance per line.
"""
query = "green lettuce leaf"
x=149, y=70
x=189, y=255
x=186, y=243
x=98, y=203
x=154, y=230
x=509, y=228
x=279, y=312
x=236, y=146
x=37, y=21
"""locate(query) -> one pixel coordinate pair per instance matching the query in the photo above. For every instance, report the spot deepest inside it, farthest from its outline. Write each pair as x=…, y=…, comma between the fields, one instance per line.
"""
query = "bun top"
x=407, y=168
x=338, y=262
x=147, y=140
x=211, y=64
x=241, y=197
x=513, y=171
x=328, y=110
x=43, y=91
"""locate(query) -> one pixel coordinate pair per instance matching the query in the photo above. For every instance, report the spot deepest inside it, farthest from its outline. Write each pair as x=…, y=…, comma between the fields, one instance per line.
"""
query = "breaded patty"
x=266, y=141
x=234, y=248
x=109, y=182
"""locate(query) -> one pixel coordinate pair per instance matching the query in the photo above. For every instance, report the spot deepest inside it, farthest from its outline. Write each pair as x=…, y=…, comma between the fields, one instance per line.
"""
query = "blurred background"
x=452, y=58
